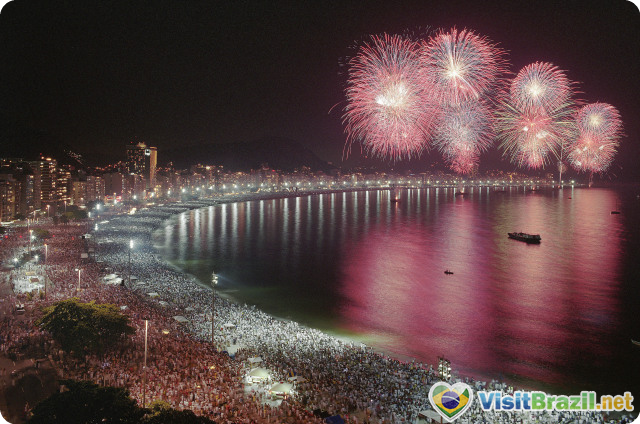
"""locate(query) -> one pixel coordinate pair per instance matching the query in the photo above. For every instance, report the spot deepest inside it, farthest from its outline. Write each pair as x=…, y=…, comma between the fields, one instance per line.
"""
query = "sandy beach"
x=338, y=375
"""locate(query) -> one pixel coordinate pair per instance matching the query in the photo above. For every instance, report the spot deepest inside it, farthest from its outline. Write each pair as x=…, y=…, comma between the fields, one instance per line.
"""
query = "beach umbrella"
x=259, y=373
x=281, y=388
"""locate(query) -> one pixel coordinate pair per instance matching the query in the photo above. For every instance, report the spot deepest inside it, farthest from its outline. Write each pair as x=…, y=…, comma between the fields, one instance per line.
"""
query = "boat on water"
x=527, y=238
x=616, y=211
x=635, y=342
x=448, y=272
x=461, y=193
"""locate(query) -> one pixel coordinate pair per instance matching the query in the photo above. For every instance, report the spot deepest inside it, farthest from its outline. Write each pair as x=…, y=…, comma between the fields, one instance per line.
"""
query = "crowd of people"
x=189, y=371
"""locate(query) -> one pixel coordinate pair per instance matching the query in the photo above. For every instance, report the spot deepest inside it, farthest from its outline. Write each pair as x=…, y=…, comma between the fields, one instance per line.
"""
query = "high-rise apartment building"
x=45, y=182
x=143, y=160
x=7, y=198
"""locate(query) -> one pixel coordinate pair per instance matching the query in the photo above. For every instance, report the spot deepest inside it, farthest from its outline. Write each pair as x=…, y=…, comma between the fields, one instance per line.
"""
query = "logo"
x=450, y=401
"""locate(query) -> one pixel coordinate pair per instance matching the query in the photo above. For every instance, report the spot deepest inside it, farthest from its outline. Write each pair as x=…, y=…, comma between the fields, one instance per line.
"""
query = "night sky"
x=100, y=74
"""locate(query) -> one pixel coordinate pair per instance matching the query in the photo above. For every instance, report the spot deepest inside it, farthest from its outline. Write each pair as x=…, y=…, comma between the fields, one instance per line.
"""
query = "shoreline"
x=283, y=344
x=344, y=336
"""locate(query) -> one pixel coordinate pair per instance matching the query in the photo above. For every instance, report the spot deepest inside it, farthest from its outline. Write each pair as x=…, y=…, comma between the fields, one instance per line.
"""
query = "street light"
x=79, y=271
x=30, y=238
x=214, y=282
x=130, y=248
x=144, y=390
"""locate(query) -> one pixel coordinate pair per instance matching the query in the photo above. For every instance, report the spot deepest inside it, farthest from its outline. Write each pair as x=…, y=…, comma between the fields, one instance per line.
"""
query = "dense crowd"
x=188, y=371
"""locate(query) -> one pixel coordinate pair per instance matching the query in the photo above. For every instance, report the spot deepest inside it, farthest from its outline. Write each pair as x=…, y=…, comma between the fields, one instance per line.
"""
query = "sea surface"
x=558, y=316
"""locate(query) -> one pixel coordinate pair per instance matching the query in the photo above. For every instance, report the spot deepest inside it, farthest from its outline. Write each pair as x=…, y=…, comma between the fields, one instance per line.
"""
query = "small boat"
x=616, y=211
x=527, y=238
x=448, y=272
x=461, y=193
x=635, y=342
x=395, y=200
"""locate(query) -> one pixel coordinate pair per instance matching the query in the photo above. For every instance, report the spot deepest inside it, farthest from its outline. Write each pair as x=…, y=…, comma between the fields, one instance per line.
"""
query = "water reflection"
x=534, y=314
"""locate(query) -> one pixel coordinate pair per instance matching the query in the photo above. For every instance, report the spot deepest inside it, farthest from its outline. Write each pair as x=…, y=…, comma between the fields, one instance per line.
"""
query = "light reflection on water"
x=554, y=315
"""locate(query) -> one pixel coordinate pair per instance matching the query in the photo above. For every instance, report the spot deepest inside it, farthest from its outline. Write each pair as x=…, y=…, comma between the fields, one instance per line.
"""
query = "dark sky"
x=99, y=74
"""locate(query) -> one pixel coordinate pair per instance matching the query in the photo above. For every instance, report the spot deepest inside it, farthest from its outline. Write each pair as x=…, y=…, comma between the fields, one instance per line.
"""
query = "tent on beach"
x=281, y=389
x=258, y=374
x=430, y=416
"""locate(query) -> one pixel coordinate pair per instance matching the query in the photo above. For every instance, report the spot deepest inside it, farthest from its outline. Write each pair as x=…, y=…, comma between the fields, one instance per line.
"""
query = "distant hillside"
x=279, y=153
x=19, y=141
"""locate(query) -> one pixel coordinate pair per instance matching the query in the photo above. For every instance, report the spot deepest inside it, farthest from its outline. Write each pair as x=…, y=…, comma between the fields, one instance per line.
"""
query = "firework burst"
x=599, y=119
x=540, y=85
x=388, y=107
x=600, y=128
x=531, y=136
x=462, y=132
x=460, y=66
x=535, y=119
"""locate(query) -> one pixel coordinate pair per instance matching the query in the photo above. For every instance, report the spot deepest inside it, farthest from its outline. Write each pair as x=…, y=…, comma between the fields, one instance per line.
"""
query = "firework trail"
x=462, y=132
x=388, y=107
x=599, y=128
x=460, y=66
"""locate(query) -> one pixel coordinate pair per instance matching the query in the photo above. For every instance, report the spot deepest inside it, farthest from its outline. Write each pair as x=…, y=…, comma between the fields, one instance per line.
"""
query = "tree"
x=79, y=214
x=81, y=327
x=162, y=413
x=41, y=233
x=87, y=403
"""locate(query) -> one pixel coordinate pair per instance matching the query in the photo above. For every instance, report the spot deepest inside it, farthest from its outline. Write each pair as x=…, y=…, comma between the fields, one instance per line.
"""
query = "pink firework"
x=388, y=108
x=532, y=136
x=461, y=66
x=462, y=132
x=464, y=161
x=599, y=119
x=540, y=85
x=600, y=128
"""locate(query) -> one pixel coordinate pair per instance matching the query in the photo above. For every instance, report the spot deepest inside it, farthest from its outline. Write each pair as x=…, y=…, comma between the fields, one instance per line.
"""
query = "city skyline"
x=96, y=77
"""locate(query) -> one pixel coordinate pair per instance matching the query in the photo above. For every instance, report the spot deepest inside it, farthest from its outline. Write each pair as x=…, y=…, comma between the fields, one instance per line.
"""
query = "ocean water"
x=558, y=316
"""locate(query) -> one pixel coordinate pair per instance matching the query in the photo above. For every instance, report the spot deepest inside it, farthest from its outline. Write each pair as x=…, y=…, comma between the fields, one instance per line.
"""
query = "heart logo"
x=450, y=401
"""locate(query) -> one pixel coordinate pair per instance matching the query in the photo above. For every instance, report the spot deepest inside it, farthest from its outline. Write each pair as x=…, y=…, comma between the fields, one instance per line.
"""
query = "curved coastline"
x=200, y=324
